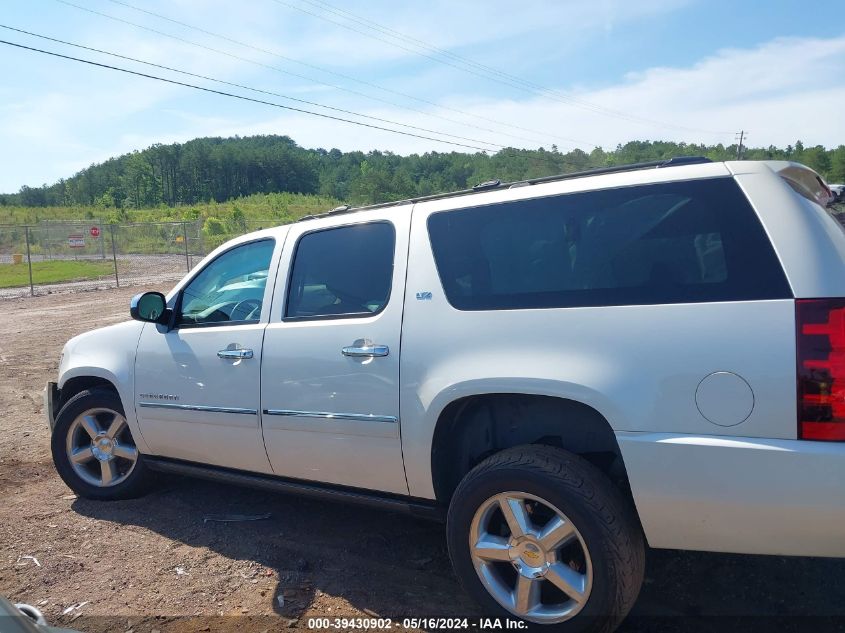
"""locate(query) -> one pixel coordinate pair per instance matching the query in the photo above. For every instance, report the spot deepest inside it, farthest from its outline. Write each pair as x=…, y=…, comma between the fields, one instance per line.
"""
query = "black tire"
x=139, y=478
x=603, y=517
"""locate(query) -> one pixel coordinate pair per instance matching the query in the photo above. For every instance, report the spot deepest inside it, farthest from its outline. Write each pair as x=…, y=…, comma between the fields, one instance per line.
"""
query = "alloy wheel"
x=100, y=448
x=530, y=557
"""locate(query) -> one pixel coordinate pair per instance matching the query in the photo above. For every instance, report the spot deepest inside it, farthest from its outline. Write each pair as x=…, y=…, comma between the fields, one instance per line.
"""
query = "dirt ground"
x=153, y=564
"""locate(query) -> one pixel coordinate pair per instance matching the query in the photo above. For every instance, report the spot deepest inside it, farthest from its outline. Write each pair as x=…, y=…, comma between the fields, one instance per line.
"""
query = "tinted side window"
x=342, y=272
x=678, y=242
x=230, y=288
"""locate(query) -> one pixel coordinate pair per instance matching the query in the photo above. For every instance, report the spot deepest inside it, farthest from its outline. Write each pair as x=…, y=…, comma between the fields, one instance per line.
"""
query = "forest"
x=209, y=170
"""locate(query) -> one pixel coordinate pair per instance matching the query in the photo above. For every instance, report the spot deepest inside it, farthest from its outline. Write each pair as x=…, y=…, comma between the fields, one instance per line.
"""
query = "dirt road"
x=154, y=564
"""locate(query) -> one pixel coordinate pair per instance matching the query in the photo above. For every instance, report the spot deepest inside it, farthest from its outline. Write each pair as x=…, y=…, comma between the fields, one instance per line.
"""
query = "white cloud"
x=778, y=91
x=456, y=26
x=774, y=67
x=329, y=40
x=781, y=90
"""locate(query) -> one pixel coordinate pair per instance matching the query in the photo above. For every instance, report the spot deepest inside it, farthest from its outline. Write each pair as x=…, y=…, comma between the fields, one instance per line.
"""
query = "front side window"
x=345, y=271
x=692, y=241
x=230, y=289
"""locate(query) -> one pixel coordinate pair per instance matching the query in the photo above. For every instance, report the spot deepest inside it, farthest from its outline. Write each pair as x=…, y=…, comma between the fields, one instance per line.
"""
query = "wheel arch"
x=74, y=380
x=76, y=384
x=473, y=427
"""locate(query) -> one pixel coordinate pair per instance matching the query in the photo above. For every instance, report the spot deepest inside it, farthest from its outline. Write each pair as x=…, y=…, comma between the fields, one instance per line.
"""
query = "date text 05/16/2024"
x=429, y=623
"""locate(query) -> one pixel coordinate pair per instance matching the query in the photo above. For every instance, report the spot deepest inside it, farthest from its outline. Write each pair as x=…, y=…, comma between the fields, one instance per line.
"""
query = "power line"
x=237, y=96
x=544, y=135
x=527, y=154
x=370, y=35
x=740, y=136
x=244, y=87
x=505, y=152
x=510, y=79
x=325, y=6
x=486, y=72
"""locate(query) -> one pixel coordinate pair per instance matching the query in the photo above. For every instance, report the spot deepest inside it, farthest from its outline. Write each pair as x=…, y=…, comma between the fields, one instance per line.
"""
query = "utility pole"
x=114, y=256
x=29, y=263
x=185, y=240
x=740, y=137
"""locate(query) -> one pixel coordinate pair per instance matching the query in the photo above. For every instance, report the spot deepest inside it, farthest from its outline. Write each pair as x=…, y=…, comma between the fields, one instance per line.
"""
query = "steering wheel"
x=350, y=299
x=247, y=308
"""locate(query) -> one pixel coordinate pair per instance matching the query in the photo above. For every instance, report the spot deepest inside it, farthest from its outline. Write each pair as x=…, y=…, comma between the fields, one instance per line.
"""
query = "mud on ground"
x=154, y=564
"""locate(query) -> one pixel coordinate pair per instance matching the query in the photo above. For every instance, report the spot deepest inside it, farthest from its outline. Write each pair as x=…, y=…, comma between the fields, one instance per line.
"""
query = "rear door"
x=330, y=373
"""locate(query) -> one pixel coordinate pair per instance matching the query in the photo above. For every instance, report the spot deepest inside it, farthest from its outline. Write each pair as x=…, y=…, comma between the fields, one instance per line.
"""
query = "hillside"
x=218, y=221
x=208, y=170
x=246, y=212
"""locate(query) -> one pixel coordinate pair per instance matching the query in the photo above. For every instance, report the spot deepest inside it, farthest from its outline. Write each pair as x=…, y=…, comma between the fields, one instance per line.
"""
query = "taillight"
x=821, y=368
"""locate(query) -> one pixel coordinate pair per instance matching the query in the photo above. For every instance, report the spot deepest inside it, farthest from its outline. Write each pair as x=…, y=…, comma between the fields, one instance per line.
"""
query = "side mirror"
x=150, y=307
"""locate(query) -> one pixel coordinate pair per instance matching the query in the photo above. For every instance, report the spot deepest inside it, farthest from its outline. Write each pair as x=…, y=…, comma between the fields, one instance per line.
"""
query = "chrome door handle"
x=366, y=351
x=234, y=354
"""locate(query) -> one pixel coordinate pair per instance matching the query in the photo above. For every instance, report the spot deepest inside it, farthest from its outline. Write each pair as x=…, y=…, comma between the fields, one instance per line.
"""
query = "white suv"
x=566, y=368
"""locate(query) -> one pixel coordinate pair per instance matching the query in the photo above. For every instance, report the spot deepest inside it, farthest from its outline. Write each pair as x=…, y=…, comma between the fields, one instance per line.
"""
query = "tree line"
x=218, y=169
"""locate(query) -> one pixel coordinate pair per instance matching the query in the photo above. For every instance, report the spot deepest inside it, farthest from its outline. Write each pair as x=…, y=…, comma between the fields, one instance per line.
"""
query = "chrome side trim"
x=197, y=407
x=357, y=417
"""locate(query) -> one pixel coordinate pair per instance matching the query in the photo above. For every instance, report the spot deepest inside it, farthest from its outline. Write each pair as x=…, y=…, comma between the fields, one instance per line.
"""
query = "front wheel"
x=93, y=448
x=539, y=534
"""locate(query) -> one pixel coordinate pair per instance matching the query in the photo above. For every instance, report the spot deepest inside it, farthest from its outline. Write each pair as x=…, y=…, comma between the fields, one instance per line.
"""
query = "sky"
x=478, y=75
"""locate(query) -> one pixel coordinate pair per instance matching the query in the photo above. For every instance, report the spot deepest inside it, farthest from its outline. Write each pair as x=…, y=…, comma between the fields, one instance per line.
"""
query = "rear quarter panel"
x=808, y=241
x=639, y=366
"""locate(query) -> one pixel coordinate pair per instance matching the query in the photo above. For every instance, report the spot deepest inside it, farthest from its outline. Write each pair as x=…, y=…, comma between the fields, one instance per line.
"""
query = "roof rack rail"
x=676, y=161
x=654, y=164
x=488, y=184
x=685, y=160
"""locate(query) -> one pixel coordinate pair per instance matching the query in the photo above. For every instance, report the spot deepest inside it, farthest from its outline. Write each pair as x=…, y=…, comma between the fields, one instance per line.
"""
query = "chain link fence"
x=65, y=256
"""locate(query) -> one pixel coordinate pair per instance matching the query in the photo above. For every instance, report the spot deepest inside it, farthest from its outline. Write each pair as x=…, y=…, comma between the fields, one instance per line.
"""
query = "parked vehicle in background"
x=578, y=366
x=838, y=193
x=23, y=618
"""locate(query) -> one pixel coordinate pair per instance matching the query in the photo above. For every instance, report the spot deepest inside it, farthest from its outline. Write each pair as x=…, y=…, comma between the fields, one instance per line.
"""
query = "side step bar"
x=409, y=505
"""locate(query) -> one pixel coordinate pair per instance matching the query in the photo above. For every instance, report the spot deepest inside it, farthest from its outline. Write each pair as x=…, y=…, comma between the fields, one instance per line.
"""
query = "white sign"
x=76, y=241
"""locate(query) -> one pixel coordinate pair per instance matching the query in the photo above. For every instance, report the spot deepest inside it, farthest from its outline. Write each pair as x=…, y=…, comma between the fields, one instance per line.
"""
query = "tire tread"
x=622, y=540
x=134, y=486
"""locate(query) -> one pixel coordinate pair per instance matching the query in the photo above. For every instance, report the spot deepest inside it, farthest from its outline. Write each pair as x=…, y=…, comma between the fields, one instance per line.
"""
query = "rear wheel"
x=93, y=448
x=539, y=534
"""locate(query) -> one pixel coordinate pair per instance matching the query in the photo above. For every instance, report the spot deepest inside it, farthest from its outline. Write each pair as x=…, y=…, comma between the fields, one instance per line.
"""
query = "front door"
x=330, y=372
x=197, y=385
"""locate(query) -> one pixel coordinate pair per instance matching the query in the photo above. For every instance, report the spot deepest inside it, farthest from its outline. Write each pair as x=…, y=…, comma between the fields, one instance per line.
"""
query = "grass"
x=219, y=221
x=17, y=275
x=268, y=209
